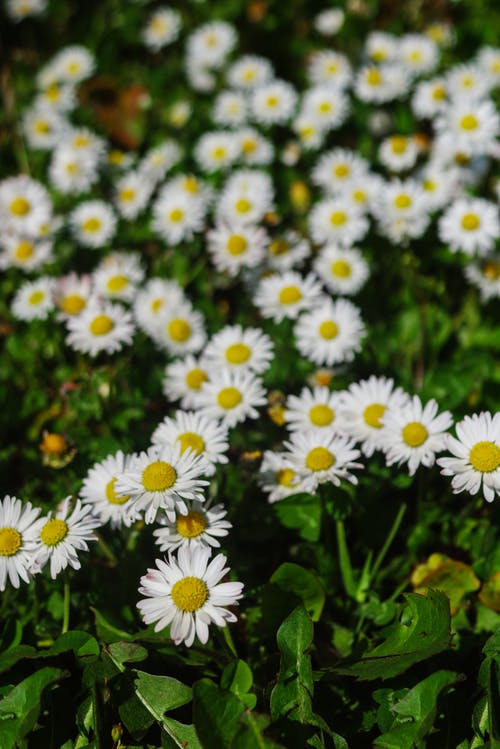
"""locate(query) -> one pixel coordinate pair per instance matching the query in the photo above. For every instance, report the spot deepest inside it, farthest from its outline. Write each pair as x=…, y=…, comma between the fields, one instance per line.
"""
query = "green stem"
x=388, y=541
x=67, y=601
x=106, y=550
x=345, y=560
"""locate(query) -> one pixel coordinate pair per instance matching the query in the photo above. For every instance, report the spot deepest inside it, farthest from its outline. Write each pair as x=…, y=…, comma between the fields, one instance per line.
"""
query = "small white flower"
x=17, y=540
x=196, y=432
x=201, y=525
x=244, y=349
x=338, y=221
x=287, y=295
x=93, y=223
x=277, y=477
x=273, y=103
x=162, y=28
x=486, y=277
x=344, y=271
x=152, y=299
x=33, y=301
x=100, y=327
x=118, y=275
x=314, y=410
x=330, y=333
x=320, y=457
x=470, y=225
x=179, y=330
x=98, y=491
x=249, y=72
x=71, y=295
x=235, y=247
x=231, y=396
x=183, y=380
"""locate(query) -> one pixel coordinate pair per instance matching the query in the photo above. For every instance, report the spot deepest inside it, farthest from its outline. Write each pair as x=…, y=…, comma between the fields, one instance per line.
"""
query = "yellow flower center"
x=192, y=441
x=53, y=443
x=470, y=222
x=189, y=594
x=373, y=77
x=341, y=268
x=243, y=205
x=36, y=298
x=53, y=532
x=491, y=270
x=272, y=101
x=398, y=144
x=24, y=250
x=359, y=196
x=157, y=304
x=111, y=495
x=195, y=378
x=158, y=25
x=249, y=75
x=379, y=55
x=279, y=247
x=414, y=434
x=236, y=244
x=92, y=224
x=319, y=459
x=469, y=122
x=238, y=353
x=402, y=201
x=328, y=330
x=81, y=141
x=116, y=283
x=116, y=157
x=127, y=194
x=101, y=325
x=290, y=295
x=341, y=170
x=20, y=206
x=191, y=525
x=176, y=215
x=179, y=330
x=73, y=67
x=429, y=185
x=321, y=415
x=73, y=304
x=42, y=127
x=10, y=542
x=338, y=218
x=415, y=55
x=439, y=93
x=325, y=107
x=285, y=476
x=191, y=185
x=485, y=456
x=52, y=93
x=229, y=398
x=158, y=476
x=72, y=168
x=373, y=415
x=248, y=146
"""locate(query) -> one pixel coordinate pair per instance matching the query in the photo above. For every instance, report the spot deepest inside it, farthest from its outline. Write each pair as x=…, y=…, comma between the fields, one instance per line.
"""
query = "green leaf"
x=126, y=652
x=216, y=714
x=107, y=631
x=423, y=631
x=301, y=512
x=304, y=584
x=81, y=643
x=185, y=736
x=238, y=678
x=10, y=657
x=160, y=693
x=293, y=693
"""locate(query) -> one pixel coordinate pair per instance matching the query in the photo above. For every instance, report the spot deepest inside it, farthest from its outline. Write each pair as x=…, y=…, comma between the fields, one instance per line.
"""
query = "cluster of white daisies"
x=228, y=205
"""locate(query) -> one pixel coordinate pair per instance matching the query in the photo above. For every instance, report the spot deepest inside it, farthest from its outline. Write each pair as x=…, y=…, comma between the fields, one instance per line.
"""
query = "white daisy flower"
x=180, y=330
x=17, y=10
x=467, y=81
x=337, y=169
x=343, y=271
x=471, y=126
x=98, y=491
x=186, y=593
x=201, y=525
x=418, y=53
x=43, y=127
x=249, y=72
x=277, y=477
x=381, y=47
x=194, y=431
x=177, y=216
x=60, y=535
x=17, y=540
x=398, y=153
x=381, y=83
x=231, y=396
x=93, y=223
x=401, y=208
x=363, y=406
x=287, y=295
x=23, y=253
x=210, y=44
x=232, y=248
x=329, y=21
x=183, y=380
x=162, y=478
x=315, y=409
x=57, y=97
x=312, y=136
x=440, y=185
x=287, y=251
x=336, y=220
x=157, y=295
x=159, y=160
x=486, y=277
x=216, y=150
x=25, y=205
x=162, y=28
x=414, y=433
x=33, y=300
x=71, y=171
x=331, y=333
x=321, y=457
x=488, y=60
x=73, y=64
x=118, y=275
x=244, y=349
x=132, y=193
x=476, y=451
x=100, y=327
x=273, y=103
x=330, y=68
x=71, y=295
x=246, y=197
x=430, y=98
x=325, y=105
x=230, y=108
x=255, y=150
x=471, y=225
x=84, y=141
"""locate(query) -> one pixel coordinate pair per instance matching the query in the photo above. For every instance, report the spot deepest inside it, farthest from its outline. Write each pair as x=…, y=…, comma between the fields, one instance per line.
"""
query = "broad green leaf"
x=107, y=631
x=293, y=693
x=238, y=678
x=295, y=579
x=10, y=657
x=452, y=577
x=423, y=631
x=185, y=736
x=302, y=512
x=127, y=652
x=216, y=714
x=160, y=693
x=81, y=643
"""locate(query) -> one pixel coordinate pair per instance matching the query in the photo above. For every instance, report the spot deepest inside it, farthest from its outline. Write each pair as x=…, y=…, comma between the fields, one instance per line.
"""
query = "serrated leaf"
x=304, y=584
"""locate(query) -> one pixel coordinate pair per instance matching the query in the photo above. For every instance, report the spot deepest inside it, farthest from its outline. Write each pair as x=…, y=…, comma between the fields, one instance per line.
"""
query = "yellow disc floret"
x=20, y=206
x=101, y=325
x=338, y=218
x=238, y=353
x=229, y=398
x=116, y=283
x=191, y=525
x=328, y=330
x=485, y=456
x=341, y=269
x=470, y=222
x=158, y=476
x=53, y=532
x=191, y=440
x=195, y=378
x=111, y=495
x=179, y=330
x=73, y=304
x=236, y=244
x=189, y=594
x=373, y=414
x=290, y=295
x=319, y=459
x=414, y=434
x=321, y=415
x=10, y=542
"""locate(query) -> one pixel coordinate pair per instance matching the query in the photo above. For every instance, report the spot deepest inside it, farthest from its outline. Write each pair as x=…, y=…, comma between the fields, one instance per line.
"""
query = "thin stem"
x=388, y=541
x=106, y=550
x=67, y=601
x=345, y=560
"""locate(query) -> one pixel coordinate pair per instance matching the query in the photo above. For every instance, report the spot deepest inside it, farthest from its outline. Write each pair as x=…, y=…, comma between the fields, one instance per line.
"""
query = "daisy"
x=33, y=300
x=93, y=223
x=311, y=133
x=210, y=44
x=401, y=208
x=331, y=333
x=315, y=409
x=186, y=593
x=230, y=108
x=489, y=61
x=118, y=275
x=201, y=525
x=330, y=68
x=193, y=431
x=60, y=535
x=43, y=127
x=320, y=457
x=362, y=407
x=180, y=330
x=17, y=540
x=162, y=478
x=273, y=103
x=414, y=433
x=476, y=451
x=246, y=197
x=343, y=271
x=56, y=97
x=100, y=327
x=19, y=9
x=231, y=396
x=159, y=160
x=162, y=28
x=287, y=295
x=467, y=81
x=418, y=53
x=471, y=126
x=381, y=47
x=249, y=72
x=329, y=21
x=25, y=205
x=71, y=295
x=430, y=98
x=84, y=141
x=72, y=172
x=98, y=491
x=132, y=193
x=471, y=225
x=26, y=254
x=381, y=83
x=216, y=150
x=255, y=150
x=73, y=64
x=440, y=185
x=183, y=380
x=337, y=169
x=177, y=216
x=336, y=220
x=486, y=277
x=398, y=153
x=152, y=299
x=277, y=477
x=244, y=349
x=287, y=250
x=326, y=106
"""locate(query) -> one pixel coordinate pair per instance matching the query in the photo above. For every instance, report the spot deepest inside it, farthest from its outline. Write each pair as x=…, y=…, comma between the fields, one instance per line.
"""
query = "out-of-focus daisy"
x=287, y=295
x=255, y=150
x=330, y=333
x=208, y=46
x=230, y=108
x=327, y=106
x=33, y=300
x=159, y=160
x=249, y=71
x=162, y=478
x=25, y=205
x=194, y=431
x=17, y=540
x=418, y=53
x=287, y=251
x=344, y=271
x=216, y=150
x=246, y=197
x=316, y=409
x=362, y=407
x=320, y=457
x=273, y=103
x=337, y=169
x=488, y=60
x=177, y=216
x=201, y=525
x=71, y=295
x=100, y=327
x=486, y=277
x=329, y=67
x=329, y=21
x=17, y=10
x=26, y=254
x=471, y=126
x=380, y=83
x=43, y=127
x=467, y=81
x=398, y=153
x=56, y=97
x=117, y=276
x=338, y=221
x=180, y=330
x=71, y=171
x=235, y=247
x=73, y=64
x=381, y=47
x=93, y=223
x=186, y=593
x=132, y=193
x=183, y=380
x=476, y=451
x=470, y=225
x=430, y=97
x=401, y=208
x=162, y=28
x=245, y=349
x=231, y=396
x=98, y=491
x=414, y=433
x=152, y=299
x=277, y=477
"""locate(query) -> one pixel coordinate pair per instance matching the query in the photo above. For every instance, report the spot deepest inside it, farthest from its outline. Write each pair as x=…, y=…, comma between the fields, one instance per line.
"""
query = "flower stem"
x=388, y=541
x=345, y=560
x=67, y=601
